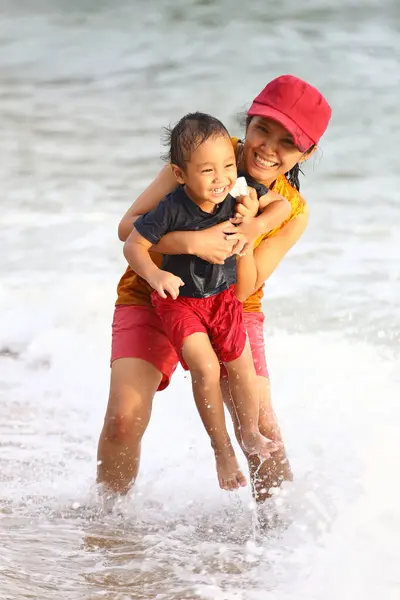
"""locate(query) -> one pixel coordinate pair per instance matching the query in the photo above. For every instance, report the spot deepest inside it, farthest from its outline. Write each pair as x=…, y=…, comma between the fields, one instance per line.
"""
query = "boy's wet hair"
x=293, y=176
x=188, y=134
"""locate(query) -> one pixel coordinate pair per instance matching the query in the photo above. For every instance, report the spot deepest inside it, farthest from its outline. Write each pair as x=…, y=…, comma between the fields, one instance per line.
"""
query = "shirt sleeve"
x=158, y=222
x=251, y=182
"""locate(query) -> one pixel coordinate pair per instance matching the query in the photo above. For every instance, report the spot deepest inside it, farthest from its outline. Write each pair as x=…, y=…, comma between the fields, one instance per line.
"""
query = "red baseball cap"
x=297, y=106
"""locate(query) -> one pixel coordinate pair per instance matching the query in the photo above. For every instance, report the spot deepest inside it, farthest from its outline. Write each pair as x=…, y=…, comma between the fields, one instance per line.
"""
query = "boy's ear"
x=178, y=173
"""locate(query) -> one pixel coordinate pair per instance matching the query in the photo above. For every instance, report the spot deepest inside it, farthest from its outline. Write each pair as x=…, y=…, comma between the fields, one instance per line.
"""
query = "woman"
x=284, y=125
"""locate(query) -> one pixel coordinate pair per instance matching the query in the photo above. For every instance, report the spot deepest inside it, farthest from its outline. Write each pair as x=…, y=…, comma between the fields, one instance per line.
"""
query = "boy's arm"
x=273, y=209
x=148, y=230
x=136, y=252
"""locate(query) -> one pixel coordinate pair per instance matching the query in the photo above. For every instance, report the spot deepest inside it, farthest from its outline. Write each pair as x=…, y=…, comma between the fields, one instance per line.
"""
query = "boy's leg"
x=204, y=367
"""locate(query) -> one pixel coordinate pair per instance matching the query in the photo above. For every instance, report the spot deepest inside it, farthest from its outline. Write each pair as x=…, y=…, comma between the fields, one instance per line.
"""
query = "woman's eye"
x=289, y=142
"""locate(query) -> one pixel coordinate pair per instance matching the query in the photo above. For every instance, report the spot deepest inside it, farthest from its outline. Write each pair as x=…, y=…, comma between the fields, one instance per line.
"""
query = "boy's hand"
x=163, y=282
x=247, y=206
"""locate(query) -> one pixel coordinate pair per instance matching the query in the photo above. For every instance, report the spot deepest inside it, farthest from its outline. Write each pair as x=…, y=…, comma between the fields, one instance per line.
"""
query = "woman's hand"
x=248, y=228
x=217, y=243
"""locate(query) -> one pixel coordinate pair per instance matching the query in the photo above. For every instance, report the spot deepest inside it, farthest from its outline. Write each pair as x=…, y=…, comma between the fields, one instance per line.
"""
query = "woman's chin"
x=265, y=175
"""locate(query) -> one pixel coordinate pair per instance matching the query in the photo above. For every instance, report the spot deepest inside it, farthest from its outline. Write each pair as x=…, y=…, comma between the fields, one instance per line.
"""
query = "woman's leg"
x=143, y=361
x=245, y=396
x=203, y=364
x=272, y=471
x=133, y=385
x=275, y=469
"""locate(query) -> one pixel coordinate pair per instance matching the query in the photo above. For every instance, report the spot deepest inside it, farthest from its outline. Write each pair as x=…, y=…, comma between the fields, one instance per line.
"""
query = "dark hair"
x=188, y=134
x=293, y=176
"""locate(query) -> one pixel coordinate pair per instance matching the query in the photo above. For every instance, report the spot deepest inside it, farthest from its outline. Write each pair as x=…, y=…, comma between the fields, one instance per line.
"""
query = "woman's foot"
x=268, y=474
x=230, y=476
x=255, y=443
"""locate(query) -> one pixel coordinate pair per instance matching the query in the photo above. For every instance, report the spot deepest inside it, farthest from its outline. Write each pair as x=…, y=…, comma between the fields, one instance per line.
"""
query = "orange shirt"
x=133, y=289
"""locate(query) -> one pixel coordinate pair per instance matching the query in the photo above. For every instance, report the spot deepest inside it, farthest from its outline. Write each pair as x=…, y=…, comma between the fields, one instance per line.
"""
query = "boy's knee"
x=206, y=375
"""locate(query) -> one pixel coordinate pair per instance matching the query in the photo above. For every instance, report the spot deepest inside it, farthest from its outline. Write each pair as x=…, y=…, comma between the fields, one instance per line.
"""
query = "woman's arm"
x=213, y=245
x=246, y=271
x=271, y=251
x=262, y=261
x=162, y=185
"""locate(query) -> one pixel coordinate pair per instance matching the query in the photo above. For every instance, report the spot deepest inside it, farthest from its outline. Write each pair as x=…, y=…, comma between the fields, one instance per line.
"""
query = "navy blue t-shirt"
x=177, y=212
x=260, y=188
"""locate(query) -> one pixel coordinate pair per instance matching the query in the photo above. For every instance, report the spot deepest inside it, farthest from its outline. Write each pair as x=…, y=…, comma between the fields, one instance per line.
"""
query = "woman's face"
x=269, y=150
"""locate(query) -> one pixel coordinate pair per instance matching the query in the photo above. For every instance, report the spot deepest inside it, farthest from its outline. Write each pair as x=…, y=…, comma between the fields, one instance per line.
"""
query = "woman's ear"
x=178, y=173
x=306, y=155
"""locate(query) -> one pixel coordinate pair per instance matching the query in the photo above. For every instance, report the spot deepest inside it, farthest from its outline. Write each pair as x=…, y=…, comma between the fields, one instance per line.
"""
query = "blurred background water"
x=85, y=88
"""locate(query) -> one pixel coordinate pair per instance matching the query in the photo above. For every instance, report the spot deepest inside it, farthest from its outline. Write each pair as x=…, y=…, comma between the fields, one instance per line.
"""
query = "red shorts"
x=219, y=316
x=254, y=324
x=137, y=333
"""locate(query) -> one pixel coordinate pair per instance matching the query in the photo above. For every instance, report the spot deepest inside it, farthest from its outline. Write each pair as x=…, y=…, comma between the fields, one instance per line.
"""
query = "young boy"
x=195, y=299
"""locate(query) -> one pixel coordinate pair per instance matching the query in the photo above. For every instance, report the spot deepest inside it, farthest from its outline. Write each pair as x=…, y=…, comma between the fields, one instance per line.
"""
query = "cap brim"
x=301, y=139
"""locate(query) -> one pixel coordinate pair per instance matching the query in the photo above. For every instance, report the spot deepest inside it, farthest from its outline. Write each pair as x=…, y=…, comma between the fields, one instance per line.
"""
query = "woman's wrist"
x=248, y=254
x=190, y=242
x=177, y=242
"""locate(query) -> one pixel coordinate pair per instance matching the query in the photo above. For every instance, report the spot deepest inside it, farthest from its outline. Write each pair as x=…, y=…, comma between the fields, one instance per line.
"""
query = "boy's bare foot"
x=230, y=476
x=255, y=443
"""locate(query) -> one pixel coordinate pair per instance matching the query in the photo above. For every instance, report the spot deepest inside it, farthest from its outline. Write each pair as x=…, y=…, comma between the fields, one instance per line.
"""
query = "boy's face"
x=211, y=172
